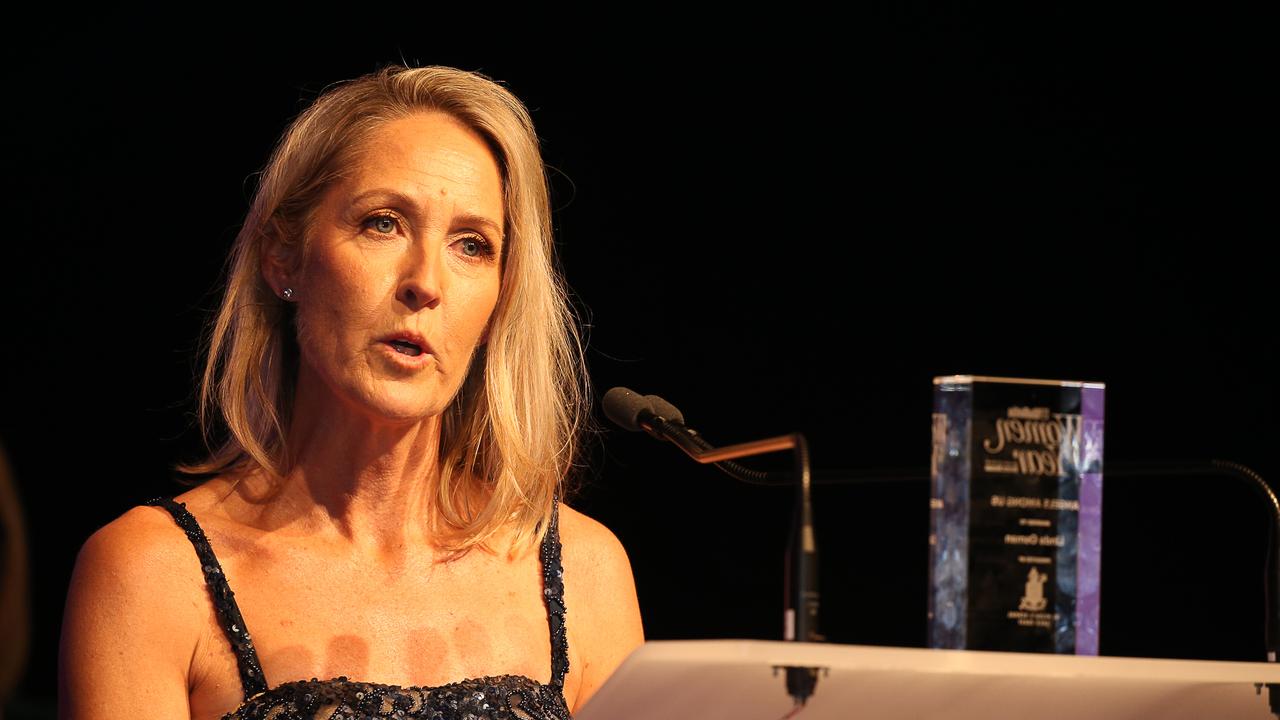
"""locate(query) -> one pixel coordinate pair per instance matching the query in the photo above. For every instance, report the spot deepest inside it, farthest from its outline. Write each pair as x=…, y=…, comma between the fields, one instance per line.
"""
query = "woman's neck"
x=354, y=478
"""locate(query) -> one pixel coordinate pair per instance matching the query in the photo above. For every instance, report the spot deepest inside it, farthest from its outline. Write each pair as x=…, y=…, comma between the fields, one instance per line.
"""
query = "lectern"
x=735, y=679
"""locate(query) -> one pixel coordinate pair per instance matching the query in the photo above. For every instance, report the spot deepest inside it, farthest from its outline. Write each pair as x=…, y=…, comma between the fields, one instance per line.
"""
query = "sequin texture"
x=501, y=697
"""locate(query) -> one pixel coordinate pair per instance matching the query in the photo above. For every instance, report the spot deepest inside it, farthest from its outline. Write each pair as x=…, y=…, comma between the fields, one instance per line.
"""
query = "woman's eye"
x=384, y=224
x=472, y=247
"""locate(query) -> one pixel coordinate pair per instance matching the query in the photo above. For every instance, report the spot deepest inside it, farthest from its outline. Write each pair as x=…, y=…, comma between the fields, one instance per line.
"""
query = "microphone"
x=636, y=412
x=649, y=413
x=662, y=420
x=665, y=409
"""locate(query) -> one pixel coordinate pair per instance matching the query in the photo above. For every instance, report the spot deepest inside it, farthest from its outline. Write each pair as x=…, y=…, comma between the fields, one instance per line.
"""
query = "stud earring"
x=287, y=293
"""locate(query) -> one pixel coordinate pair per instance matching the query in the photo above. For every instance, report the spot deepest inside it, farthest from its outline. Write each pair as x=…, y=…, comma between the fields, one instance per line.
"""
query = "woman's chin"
x=383, y=405
x=403, y=414
x=382, y=401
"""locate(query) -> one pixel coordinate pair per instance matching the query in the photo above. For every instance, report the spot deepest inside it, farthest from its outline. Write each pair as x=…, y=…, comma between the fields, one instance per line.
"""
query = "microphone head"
x=664, y=409
x=625, y=407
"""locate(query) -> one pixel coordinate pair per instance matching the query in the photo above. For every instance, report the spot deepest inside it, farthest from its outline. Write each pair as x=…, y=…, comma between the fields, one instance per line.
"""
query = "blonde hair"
x=512, y=430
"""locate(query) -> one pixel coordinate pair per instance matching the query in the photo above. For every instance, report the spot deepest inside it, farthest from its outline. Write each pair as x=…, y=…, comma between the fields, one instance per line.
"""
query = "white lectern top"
x=710, y=679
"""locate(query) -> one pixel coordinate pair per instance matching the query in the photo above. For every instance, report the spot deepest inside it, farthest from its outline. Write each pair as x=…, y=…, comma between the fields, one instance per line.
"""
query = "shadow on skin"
x=434, y=657
x=347, y=655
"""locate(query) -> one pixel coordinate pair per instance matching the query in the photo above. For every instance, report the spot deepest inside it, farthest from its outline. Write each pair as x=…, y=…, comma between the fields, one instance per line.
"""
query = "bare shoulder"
x=590, y=546
x=145, y=545
x=142, y=552
x=596, y=566
x=132, y=610
x=149, y=523
x=600, y=594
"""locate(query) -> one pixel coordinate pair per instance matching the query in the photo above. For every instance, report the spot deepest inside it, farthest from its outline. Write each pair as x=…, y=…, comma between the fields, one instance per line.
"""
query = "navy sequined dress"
x=502, y=697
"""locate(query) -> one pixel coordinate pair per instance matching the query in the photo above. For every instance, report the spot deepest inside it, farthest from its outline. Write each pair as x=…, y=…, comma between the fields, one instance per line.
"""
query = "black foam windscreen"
x=624, y=407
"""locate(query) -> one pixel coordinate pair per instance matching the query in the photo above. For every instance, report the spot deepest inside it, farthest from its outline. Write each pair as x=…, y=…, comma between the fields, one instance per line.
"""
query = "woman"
x=401, y=383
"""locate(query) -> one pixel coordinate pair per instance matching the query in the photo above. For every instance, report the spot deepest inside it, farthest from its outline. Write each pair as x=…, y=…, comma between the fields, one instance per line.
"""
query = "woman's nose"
x=420, y=277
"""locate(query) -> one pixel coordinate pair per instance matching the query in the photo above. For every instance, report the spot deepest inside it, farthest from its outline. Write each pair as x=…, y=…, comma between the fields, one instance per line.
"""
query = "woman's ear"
x=279, y=262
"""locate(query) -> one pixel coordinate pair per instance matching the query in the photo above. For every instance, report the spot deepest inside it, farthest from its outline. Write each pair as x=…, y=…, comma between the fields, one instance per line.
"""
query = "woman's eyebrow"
x=395, y=197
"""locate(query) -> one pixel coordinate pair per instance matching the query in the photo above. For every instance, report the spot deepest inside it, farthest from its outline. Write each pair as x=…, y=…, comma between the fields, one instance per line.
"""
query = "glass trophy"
x=1015, y=515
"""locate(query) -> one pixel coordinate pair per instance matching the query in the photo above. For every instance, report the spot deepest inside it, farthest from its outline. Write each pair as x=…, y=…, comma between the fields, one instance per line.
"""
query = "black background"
x=777, y=224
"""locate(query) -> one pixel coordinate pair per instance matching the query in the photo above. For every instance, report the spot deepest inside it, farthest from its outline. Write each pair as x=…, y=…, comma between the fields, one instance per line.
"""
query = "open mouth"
x=404, y=347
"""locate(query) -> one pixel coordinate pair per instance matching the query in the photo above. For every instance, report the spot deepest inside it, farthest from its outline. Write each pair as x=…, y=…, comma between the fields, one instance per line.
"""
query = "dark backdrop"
x=777, y=225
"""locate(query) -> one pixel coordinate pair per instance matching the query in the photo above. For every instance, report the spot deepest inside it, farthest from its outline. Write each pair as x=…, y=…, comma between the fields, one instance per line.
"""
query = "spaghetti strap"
x=224, y=602
x=553, y=590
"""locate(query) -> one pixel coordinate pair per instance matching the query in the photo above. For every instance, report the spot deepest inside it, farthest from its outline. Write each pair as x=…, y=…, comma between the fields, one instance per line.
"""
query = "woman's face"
x=403, y=269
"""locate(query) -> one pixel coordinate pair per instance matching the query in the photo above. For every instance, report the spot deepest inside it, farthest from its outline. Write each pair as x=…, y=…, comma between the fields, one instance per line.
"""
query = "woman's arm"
x=129, y=630
x=600, y=594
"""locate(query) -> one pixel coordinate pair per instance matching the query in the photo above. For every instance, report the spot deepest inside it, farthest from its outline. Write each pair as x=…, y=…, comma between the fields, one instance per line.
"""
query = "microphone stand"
x=1138, y=470
x=1268, y=496
x=800, y=617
